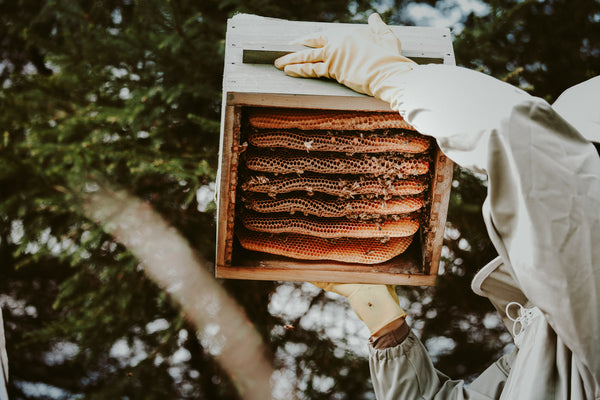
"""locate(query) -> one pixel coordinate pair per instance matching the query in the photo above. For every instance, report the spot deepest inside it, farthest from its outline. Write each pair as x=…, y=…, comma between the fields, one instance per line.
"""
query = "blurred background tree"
x=128, y=92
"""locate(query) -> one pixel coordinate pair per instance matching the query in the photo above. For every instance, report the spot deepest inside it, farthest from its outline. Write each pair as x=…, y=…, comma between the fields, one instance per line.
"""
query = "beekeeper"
x=542, y=213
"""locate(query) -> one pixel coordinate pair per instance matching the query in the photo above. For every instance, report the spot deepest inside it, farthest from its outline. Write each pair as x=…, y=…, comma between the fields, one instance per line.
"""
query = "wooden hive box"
x=251, y=84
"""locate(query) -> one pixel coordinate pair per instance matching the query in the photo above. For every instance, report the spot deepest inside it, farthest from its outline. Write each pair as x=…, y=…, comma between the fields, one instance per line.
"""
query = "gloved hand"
x=375, y=305
x=365, y=60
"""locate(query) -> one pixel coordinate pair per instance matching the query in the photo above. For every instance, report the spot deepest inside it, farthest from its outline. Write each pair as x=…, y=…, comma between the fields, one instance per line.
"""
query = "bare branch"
x=224, y=329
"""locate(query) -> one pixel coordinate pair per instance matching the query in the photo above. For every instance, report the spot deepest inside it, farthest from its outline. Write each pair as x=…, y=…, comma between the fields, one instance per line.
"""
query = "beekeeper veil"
x=580, y=106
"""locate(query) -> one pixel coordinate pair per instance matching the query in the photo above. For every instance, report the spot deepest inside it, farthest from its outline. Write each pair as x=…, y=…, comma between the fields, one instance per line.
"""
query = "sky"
x=449, y=14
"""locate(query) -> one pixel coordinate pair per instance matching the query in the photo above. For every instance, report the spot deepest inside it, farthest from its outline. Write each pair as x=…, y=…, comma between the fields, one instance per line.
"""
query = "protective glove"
x=365, y=60
x=375, y=305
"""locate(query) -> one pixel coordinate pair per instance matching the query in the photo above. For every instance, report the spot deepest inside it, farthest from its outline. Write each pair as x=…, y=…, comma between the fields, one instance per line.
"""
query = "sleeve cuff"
x=390, y=335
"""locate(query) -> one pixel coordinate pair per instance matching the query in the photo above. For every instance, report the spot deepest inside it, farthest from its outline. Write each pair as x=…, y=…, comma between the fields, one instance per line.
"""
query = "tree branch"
x=224, y=329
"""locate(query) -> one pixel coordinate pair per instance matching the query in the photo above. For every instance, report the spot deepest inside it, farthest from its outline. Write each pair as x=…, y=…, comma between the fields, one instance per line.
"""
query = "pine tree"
x=122, y=94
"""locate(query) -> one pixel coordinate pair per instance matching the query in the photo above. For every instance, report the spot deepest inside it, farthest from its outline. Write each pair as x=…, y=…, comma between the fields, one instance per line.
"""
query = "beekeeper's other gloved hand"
x=375, y=305
x=365, y=60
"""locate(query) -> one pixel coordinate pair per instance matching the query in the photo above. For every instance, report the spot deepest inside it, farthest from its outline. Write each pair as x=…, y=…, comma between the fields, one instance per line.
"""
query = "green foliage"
x=552, y=45
x=126, y=93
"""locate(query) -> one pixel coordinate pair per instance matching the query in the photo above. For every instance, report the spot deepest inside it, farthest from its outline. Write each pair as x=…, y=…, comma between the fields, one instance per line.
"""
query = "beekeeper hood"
x=580, y=106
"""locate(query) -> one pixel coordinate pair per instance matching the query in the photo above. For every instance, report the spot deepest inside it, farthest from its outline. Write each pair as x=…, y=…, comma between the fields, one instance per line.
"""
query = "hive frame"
x=259, y=40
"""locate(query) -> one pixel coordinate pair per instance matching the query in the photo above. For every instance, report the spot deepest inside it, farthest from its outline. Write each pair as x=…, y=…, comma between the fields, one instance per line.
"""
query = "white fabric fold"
x=543, y=206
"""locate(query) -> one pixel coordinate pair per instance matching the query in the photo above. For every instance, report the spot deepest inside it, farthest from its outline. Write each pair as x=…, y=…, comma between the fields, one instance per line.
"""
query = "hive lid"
x=254, y=42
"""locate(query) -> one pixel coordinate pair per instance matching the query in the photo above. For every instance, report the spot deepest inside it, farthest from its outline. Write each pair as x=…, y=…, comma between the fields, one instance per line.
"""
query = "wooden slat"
x=256, y=266
x=273, y=35
x=225, y=197
x=440, y=196
x=324, y=102
x=324, y=275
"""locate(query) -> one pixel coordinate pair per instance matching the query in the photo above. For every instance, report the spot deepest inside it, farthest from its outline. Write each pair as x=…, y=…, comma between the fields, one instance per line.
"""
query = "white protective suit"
x=542, y=213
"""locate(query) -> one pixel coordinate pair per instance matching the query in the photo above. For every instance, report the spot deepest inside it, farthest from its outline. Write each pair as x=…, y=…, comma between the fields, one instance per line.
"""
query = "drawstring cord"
x=524, y=318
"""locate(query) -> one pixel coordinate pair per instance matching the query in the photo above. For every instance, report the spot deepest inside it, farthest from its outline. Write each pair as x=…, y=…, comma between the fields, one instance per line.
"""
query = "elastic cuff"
x=390, y=335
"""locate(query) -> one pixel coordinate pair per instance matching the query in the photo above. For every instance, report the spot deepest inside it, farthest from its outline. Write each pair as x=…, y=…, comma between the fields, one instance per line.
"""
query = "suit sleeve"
x=405, y=372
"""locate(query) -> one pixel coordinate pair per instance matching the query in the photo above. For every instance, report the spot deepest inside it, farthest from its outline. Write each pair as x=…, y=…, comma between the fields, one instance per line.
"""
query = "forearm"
x=460, y=108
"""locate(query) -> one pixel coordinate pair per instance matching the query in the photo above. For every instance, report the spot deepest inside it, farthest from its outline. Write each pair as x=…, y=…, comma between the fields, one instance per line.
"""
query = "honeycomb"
x=385, y=165
x=363, y=208
x=350, y=250
x=347, y=143
x=340, y=187
x=303, y=119
x=331, y=227
x=330, y=185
